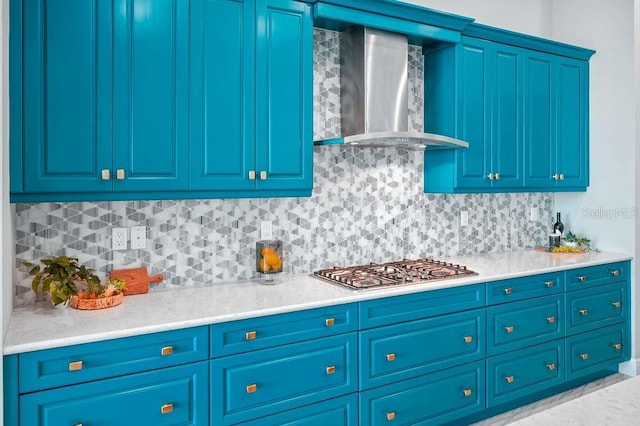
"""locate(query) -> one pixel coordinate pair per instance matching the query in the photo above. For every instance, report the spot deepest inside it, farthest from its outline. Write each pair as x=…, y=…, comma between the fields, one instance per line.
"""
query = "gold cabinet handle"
x=252, y=388
x=551, y=319
x=509, y=379
x=166, y=351
x=78, y=424
x=263, y=175
x=105, y=174
x=252, y=175
x=466, y=392
x=497, y=176
x=549, y=284
x=391, y=416
x=250, y=335
x=331, y=369
x=582, y=278
x=75, y=366
x=391, y=357
x=120, y=174
x=329, y=322
x=584, y=356
x=468, y=339
x=551, y=366
x=509, y=329
x=555, y=177
x=490, y=176
x=615, y=272
x=617, y=346
x=584, y=312
x=616, y=304
x=561, y=176
x=166, y=408
x=508, y=290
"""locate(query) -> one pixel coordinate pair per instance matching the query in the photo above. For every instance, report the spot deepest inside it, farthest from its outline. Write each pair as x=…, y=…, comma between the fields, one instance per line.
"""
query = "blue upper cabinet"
x=252, y=100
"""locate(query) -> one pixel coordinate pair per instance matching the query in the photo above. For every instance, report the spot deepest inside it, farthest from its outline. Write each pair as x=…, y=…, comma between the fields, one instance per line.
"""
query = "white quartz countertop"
x=40, y=326
x=618, y=404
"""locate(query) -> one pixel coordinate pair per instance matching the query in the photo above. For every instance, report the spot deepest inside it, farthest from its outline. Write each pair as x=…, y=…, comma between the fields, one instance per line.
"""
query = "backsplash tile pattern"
x=367, y=205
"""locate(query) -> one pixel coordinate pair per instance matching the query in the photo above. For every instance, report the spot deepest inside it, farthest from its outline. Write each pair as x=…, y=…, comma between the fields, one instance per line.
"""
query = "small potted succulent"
x=67, y=281
x=572, y=240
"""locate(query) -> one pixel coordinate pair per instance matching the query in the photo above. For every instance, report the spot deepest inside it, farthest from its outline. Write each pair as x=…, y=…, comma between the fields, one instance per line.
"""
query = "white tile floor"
x=544, y=404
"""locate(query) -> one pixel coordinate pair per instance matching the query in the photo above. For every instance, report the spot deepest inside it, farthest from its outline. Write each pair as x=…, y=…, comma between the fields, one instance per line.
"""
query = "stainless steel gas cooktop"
x=393, y=273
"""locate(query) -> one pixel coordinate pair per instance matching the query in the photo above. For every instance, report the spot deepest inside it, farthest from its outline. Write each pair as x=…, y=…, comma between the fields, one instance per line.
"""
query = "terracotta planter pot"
x=82, y=301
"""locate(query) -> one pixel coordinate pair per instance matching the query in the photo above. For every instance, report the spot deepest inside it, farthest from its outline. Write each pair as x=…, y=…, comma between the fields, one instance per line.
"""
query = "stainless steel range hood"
x=373, y=86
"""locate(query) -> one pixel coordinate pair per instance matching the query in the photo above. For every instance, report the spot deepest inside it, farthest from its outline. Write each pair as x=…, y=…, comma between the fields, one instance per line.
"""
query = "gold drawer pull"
x=167, y=350
x=391, y=357
x=509, y=329
x=252, y=175
x=75, y=366
x=250, y=335
x=252, y=388
x=468, y=339
x=105, y=174
x=166, y=408
x=616, y=304
x=331, y=369
x=617, y=346
x=508, y=290
x=509, y=379
x=584, y=312
x=391, y=416
x=615, y=272
x=551, y=319
x=78, y=424
x=549, y=284
x=120, y=174
x=551, y=366
x=584, y=356
x=263, y=175
x=466, y=392
x=329, y=322
x=582, y=278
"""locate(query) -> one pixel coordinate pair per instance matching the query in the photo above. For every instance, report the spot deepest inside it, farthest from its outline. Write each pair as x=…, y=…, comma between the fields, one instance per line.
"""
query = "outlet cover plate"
x=118, y=238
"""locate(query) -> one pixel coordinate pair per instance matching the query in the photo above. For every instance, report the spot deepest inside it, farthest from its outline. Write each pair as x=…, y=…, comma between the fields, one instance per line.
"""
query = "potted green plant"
x=68, y=281
x=573, y=240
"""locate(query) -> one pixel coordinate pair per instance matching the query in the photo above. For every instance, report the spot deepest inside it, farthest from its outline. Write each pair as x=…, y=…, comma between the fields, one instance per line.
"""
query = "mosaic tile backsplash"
x=367, y=205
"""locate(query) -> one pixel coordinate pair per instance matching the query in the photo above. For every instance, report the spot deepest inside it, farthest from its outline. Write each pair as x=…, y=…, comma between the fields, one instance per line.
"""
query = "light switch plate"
x=138, y=237
x=266, y=230
x=464, y=217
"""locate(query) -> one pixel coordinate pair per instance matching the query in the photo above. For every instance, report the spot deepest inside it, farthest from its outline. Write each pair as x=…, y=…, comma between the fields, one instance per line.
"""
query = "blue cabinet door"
x=66, y=95
x=150, y=93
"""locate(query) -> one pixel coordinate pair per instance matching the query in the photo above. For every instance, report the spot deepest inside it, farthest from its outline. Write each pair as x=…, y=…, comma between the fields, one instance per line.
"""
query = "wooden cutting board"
x=136, y=279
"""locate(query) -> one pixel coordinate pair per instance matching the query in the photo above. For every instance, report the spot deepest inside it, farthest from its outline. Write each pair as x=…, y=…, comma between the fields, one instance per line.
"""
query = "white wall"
x=6, y=250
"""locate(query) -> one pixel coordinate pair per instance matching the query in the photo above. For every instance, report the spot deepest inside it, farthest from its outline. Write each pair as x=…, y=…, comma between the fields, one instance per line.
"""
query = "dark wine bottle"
x=558, y=227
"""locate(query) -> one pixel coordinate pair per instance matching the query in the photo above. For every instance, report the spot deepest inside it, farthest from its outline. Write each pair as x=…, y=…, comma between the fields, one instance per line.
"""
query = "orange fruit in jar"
x=272, y=259
x=266, y=250
x=263, y=266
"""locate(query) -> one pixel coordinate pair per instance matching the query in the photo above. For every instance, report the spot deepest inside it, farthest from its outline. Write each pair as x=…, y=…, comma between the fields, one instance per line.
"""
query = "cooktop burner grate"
x=393, y=273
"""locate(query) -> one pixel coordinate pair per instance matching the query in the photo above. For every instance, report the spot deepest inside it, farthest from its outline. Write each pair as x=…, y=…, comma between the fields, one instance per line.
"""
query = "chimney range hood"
x=373, y=93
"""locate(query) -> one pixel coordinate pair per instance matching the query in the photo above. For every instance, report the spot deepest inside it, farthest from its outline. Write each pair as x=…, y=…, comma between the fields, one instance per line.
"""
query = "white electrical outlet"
x=464, y=217
x=118, y=238
x=533, y=214
x=138, y=237
x=266, y=230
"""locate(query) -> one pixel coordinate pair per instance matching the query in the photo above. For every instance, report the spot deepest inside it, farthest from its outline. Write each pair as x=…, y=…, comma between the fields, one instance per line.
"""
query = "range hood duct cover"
x=374, y=101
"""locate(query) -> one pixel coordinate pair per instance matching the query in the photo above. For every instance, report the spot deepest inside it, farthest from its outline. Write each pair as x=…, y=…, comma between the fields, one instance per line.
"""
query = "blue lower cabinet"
x=524, y=372
x=597, y=350
x=431, y=399
x=175, y=395
x=341, y=411
x=260, y=383
x=598, y=307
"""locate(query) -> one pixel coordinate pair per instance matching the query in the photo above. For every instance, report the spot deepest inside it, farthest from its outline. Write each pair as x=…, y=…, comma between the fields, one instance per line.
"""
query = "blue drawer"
x=515, y=325
x=524, y=288
x=175, y=395
x=81, y=363
x=402, y=351
x=260, y=383
x=597, y=307
x=597, y=350
x=432, y=399
x=274, y=330
x=392, y=310
x=596, y=275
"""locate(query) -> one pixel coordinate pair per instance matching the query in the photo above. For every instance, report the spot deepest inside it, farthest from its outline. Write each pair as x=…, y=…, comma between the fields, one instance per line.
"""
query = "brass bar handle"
x=509, y=379
x=120, y=174
x=551, y=319
x=252, y=175
x=263, y=175
x=615, y=272
x=616, y=304
x=497, y=176
x=250, y=335
x=551, y=366
x=584, y=356
x=166, y=408
x=509, y=329
x=105, y=174
x=584, y=312
x=329, y=322
x=391, y=416
x=508, y=290
x=391, y=357
x=252, y=388
x=582, y=278
x=331, y=369
x=466, y=392
x=617, y=346
x=166, y=351
x=490, y=176
x=549, y=284
x=468, y=339
x=75, y=366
